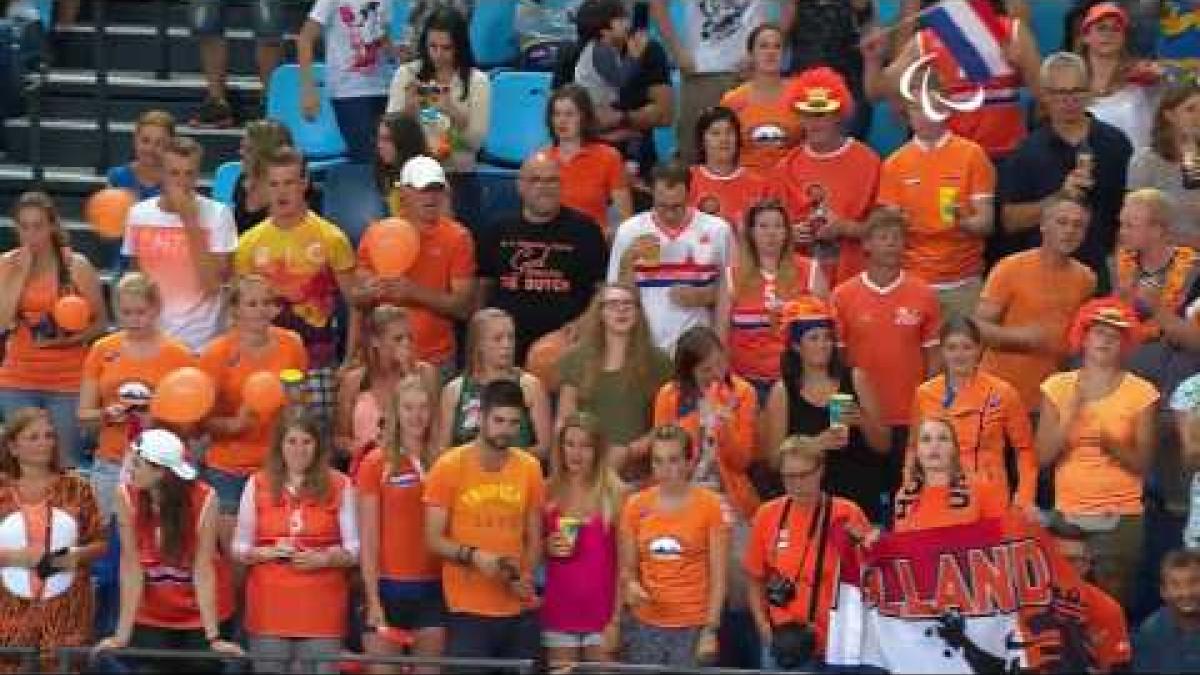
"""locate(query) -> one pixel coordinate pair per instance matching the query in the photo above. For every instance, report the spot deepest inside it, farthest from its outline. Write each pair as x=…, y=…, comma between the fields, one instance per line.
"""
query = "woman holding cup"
x=1171, y=162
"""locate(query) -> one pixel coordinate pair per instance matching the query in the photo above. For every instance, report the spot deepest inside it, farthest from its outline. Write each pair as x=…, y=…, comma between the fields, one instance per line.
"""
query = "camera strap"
x=818, y=526
x=822, y=540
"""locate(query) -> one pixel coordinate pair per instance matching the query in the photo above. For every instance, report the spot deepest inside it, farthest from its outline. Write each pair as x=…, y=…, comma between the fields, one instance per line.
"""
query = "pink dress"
x=581, y=589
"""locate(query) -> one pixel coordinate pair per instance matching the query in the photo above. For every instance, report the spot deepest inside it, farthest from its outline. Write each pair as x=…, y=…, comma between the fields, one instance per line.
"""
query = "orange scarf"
x=1173, y=291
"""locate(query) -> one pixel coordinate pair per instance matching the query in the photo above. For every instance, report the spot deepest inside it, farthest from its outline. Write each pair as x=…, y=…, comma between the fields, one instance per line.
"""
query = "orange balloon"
x=183, y=396
x=393, y=244
x=107, y=210
x=72, y=313
x=263, y=393
x=544, y=356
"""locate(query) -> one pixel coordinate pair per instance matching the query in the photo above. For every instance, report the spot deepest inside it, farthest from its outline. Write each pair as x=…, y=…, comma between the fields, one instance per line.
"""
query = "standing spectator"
x=678, y=258
x=491, y=356
x=42, y=363
x=357, y=51
x=945, y=184
x=546, y=31
x=1168, y=160
x=1169, y=641
x=986, y=412
x=176, y=586
x=540, y=265
x=143, y=176
x=483, y=518
x=829, y=181
x=184, y=242
x=763, y=104
x=580, y=621
x=721, y=186
x=828, y=34
x=400, y=138
x=1070, y=152
x=1185, y=404
x=709, y=49
x=119, y=376
x=208, y=23
x=1030, y=299
x=251, y=195
x=297, y=534
x=46, y=599
x=592, y=173
x=308, y=262
x=805, y=513
x=614, y=372
x=1124, y=90
x=439, y=287
x=1096, y=429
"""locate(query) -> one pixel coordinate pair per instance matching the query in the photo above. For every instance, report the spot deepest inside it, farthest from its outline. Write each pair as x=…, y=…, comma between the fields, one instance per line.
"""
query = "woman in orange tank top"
x=42, y=362
x=296, y=532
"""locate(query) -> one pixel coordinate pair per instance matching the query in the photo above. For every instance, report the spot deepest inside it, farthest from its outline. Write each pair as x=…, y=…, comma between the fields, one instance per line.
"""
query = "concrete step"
x=238, y=13
x=69, y=185
x=71, y=93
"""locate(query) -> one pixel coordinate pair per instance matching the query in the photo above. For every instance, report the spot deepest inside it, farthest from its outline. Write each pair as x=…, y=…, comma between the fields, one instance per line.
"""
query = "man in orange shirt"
x=945, y=184
x=483, y=505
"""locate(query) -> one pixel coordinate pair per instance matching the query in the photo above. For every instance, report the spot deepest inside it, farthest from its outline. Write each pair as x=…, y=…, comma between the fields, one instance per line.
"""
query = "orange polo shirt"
x=770, y=129
x=589, y=177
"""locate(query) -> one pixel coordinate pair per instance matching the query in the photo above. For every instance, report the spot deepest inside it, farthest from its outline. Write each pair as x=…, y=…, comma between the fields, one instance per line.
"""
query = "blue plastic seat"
x=666, y=141
x=888, y=131
x=318, y=138
x=225, y=181
x=517, y=124
x=1048, y=18
x=494, y=34
x=399, y=23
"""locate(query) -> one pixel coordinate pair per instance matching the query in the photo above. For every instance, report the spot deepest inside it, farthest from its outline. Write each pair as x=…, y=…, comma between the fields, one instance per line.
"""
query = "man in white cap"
x=439, y=286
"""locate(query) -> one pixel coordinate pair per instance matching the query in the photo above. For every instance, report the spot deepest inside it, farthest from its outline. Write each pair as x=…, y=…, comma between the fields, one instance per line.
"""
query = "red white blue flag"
x=974, y=34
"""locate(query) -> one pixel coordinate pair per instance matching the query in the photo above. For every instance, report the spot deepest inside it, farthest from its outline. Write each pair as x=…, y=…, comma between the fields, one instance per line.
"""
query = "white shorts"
x=552, y=639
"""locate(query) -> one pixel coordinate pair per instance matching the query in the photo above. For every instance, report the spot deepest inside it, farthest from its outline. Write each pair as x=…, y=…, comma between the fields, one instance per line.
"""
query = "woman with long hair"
x=46, y=598
x=1124, y=89
x=42, y=364
x=297, y=532
x=614, y=372
x=770, y=127
x=721, y=185
x=1171, y=161
x=491, y=355
x=262, y=139
x=592, y=172
x=401, y=577
x=580, y=621
x=398, y=139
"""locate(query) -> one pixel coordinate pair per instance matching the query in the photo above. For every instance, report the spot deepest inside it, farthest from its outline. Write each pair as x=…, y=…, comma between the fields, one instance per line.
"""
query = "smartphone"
x=641, y=16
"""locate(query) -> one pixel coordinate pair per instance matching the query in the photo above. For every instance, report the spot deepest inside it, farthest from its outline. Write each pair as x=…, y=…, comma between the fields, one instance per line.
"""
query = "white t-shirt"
x=157, y=241
x=1130, y=109
x=355, y=57
x=698, y=255
x=716, y=31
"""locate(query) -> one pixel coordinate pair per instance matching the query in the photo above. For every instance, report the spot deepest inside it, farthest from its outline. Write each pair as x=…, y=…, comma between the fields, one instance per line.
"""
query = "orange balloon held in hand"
x=184, y=396
x=107, y=210
x=72, y=313
x=393, y=244
x=263, y=393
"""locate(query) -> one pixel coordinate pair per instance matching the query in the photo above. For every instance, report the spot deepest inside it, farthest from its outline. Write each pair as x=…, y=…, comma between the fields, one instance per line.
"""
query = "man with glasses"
x=1071, y=152
x=541, y=264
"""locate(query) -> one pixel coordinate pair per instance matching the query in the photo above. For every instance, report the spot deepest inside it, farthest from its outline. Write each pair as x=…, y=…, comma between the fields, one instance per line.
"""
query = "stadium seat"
x=224, y=182
x=319, y=138
x=517, y=125
x=1048, y=18
x=494, y=34
x=666, y=142
x=400, y=11
x=889, y=11
x=676, y=11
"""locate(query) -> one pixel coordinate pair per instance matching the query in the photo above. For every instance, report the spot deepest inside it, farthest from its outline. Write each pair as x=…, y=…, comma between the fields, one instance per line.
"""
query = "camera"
x=48, y=564
x=780, y=590
x=793, y=645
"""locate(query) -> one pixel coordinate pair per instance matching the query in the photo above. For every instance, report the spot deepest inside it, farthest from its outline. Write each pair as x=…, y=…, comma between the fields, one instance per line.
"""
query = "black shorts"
x=412, y=605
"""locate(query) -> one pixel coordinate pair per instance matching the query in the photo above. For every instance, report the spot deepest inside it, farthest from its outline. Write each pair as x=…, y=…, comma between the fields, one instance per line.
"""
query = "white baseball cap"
x=421, y=172
x=163, y=448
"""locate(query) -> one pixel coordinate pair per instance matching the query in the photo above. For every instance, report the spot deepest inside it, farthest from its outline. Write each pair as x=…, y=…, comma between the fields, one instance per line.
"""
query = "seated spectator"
x=1096, y=429
x=419, y=13
x=263, y=140
x=1124, y=90
x=144, y=174
x=1151, y=22
x=674, y=550
x=828, y=34
x=721, y=186
x=592, y=173
x=1185, y=404
x=545, y=31
x=763, y=103
x=400, y=138
x=208, y=22
x=1170, y=162
x=1169, y=641
x=41, y=363
x=357, y=54
x=297, y=533
x=491, y=354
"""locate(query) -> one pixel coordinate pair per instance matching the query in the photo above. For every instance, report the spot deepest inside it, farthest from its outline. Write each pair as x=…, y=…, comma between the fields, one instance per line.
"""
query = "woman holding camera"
x=789, y=555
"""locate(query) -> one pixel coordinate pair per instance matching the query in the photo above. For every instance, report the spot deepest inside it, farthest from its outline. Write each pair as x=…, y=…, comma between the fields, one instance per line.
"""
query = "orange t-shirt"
x=792, y=552
x=489, y=510
x=1087, y=481
x=987, y=414
x=673, y=549
x=729, y=197
x=847, y=179
x=111, y=368
x=1107, y=629
x=1029, y=293
x=229, y=367
x=589, y=177
x=403, y=555
x=769, y=128
x=28, y=366
x=928, y=183
x=447, y=254
x=947, y=506
x=885, y=331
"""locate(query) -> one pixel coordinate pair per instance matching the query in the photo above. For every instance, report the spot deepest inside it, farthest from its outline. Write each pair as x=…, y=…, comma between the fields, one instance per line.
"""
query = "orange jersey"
x=945, y=506
x=935, y=186
x=729, y=197
x=230, y=366
x=589, y=178
x=769, y=128
x=885, y=331
x=987, y=414
x=112, y=369
x=673, y=555
x=28, y=366
x=755, y=341
x=403, y=555
x=1108, y=632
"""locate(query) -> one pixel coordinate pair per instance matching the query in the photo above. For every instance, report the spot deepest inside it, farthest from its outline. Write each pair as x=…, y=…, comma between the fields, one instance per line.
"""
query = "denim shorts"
x=554, y=639
x=228, y=487
x=208, y=17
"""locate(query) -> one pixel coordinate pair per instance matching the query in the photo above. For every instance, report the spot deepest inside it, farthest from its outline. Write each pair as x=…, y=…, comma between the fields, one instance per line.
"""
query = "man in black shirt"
x=543, y=264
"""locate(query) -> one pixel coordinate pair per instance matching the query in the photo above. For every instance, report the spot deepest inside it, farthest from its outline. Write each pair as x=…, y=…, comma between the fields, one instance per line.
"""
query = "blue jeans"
x=63, y=409
x=357, y=118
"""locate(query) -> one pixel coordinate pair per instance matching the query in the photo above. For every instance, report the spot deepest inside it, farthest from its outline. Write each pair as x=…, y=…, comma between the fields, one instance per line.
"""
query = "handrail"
x=99, y=15
x=68, y=656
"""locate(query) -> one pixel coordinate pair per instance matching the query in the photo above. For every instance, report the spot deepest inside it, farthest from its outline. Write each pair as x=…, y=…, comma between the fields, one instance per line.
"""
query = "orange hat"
x=1110, y=311
x=797, y=317
x=1104, y=10
x=820, y=91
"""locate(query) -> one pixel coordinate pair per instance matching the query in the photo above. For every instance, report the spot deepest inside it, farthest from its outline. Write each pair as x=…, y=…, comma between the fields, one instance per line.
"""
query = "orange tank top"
x=755, y=343
x=28, y=366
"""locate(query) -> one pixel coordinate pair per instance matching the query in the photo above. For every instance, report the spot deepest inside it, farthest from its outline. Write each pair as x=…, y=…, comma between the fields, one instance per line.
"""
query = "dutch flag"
x=974, y=34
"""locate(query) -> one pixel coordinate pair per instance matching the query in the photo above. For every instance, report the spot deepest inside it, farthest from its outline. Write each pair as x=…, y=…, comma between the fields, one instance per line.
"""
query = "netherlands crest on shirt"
x=907, y=316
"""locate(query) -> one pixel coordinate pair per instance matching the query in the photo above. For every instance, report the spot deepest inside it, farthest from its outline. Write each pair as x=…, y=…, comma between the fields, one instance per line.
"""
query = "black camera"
x=793, y=645
x=429, y=89
x=48, y=564
x=780, y=590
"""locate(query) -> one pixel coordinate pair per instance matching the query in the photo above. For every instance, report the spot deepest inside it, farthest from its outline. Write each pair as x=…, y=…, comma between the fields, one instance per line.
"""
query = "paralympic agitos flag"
x=991, y=597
